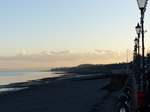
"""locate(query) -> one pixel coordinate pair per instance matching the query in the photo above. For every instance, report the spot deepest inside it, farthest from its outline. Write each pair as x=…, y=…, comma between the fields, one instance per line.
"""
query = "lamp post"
x=136, y=40
x=142, y=6
x=138, y=31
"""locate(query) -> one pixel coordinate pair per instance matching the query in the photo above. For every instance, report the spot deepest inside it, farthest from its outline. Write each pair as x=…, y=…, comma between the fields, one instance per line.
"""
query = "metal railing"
x=127, y=99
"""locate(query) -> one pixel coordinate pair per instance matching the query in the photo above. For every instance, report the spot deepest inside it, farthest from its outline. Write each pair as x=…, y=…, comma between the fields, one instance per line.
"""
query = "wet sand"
x=68, y=95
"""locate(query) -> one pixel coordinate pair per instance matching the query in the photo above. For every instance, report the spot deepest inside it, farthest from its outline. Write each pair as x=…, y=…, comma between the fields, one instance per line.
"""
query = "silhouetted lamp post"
x=142, y=6
x=138, y=31
x=136, y=40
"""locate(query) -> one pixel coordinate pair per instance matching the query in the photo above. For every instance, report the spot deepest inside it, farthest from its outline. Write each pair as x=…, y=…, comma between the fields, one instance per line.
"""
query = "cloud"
x=52, y=56
x=23, y=52
x=50, y=59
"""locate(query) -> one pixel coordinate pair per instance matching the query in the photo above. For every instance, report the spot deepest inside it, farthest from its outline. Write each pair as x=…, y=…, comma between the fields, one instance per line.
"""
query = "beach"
x=67, y=95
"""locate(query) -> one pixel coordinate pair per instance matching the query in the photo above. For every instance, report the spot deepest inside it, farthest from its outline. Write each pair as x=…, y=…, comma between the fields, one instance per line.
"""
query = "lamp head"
x=138, y=29
x=142, y=4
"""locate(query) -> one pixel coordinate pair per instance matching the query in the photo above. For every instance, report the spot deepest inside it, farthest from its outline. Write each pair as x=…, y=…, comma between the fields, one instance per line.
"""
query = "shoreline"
x=42, y=81
x=63, y=76
x=82, y=94
x=12, y=87
x=61, y=95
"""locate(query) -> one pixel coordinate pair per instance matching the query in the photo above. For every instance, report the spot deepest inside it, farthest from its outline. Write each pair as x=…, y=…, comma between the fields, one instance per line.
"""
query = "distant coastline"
x=92, y=69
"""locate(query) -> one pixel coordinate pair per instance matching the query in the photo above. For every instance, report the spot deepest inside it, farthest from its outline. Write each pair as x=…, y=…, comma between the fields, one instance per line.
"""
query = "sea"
x=7, y=78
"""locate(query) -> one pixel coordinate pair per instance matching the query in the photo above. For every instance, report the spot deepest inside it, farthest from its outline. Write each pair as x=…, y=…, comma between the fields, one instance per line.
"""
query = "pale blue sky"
x=81, y=26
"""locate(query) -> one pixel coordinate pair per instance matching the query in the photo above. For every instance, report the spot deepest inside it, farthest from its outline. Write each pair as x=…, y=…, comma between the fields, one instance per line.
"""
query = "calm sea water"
x=13, y=77
x=16, y=77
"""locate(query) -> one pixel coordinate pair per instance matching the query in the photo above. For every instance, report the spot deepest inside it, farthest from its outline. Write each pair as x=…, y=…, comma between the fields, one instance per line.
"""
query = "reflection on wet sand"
x=15, y=83
x=25, y=78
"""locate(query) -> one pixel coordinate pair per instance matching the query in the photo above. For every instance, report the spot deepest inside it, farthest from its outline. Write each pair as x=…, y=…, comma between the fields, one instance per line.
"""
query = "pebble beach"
x=67, y=95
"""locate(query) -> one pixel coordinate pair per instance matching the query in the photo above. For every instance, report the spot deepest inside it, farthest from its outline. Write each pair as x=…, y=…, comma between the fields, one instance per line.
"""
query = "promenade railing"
x=127, y=99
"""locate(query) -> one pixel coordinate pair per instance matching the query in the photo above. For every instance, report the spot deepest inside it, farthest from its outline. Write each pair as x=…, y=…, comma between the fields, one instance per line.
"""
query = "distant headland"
x=91, y=68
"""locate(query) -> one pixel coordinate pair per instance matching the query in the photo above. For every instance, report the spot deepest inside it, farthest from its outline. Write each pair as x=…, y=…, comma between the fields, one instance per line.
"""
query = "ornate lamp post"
x=142, y=6
x=136, y=40
x=138, y=31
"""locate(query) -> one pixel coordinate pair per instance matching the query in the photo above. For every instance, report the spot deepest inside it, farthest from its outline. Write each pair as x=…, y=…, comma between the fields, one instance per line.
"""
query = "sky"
x=53, y=33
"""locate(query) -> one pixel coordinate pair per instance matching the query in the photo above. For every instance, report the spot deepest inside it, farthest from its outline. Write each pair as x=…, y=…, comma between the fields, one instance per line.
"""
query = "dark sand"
x=68, y=95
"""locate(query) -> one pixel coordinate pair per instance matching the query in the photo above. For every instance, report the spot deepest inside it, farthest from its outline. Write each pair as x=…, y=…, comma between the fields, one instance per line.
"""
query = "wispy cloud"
x=50, y=59
x=67, y=55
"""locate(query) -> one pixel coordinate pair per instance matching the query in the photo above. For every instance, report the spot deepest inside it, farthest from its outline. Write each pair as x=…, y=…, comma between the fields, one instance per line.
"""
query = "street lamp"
x=142, y=6
x=136, y=40
x=142, y=3
x=138, y=31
